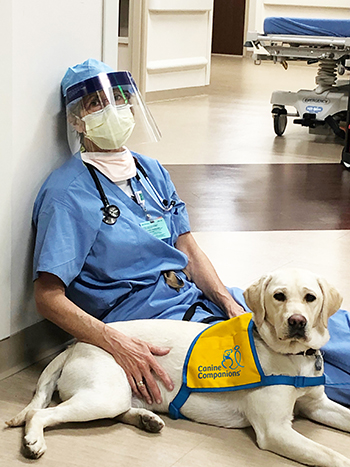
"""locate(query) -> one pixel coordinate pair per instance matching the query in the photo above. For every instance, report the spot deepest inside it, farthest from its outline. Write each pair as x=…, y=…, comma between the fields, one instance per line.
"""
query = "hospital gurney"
x=326, y=42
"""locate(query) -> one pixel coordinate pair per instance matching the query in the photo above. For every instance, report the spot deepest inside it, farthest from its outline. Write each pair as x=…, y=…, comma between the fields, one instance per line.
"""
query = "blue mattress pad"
x=307, y=26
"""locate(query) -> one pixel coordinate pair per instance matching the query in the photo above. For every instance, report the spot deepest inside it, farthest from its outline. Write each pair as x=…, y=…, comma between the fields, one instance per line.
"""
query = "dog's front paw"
x=151, y=422
x=33, y=447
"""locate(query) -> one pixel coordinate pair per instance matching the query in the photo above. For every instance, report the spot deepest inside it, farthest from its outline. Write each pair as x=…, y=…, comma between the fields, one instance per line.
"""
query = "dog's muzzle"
x=296, y=326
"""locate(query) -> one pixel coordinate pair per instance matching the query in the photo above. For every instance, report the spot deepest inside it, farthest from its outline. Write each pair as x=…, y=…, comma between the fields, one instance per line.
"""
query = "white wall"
x=39, y=40
x=6, y=167
x=258, y=10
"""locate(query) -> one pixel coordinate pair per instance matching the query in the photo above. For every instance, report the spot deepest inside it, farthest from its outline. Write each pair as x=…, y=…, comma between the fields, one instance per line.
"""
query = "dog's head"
x=291, y=308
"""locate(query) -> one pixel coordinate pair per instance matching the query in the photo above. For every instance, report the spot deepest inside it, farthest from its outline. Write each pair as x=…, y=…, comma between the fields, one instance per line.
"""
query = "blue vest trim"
x=178, y=402
x=270, y=380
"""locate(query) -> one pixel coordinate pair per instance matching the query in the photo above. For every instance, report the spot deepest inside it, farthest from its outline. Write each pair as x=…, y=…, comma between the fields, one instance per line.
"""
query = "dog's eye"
x=310, y=298
x=280, y=297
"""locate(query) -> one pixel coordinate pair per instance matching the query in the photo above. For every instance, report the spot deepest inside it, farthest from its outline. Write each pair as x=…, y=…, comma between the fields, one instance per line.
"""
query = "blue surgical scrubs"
x=337, y=358
x=113, y=272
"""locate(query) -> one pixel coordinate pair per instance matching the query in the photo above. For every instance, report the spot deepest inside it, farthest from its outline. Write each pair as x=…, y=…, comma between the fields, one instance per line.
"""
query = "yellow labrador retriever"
x=290, y=311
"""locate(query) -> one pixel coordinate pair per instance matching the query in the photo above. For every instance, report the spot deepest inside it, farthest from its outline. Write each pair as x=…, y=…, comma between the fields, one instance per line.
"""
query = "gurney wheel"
x=279, y=123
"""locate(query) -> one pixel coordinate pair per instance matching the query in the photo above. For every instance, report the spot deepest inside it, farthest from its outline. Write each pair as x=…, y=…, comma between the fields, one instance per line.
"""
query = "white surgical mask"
x=110, y=127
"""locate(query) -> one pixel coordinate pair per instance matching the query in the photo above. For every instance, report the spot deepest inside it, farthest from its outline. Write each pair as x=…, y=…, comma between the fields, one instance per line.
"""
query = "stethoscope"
x=111, y=212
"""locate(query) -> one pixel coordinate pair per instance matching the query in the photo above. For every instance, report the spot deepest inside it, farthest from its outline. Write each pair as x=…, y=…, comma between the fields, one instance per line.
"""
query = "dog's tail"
x=44, y=389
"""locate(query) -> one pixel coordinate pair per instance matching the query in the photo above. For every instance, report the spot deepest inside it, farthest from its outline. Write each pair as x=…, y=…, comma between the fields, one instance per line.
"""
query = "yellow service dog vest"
x=223, y=357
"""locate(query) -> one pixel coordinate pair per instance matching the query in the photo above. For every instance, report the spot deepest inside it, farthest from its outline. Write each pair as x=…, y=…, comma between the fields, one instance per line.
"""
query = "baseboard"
x=29, y=346
x=155, y=96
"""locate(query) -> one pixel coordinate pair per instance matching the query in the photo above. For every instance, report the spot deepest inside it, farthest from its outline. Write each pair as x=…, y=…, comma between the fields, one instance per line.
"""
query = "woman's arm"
x=136, y=357
x=205, y=277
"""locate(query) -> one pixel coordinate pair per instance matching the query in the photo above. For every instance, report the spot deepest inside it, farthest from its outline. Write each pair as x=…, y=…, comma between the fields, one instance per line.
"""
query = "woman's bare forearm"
x=53, y=305
x=205, y=276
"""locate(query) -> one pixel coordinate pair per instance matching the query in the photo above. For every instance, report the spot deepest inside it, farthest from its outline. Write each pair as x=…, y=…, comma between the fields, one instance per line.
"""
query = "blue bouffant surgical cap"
x=78, y=73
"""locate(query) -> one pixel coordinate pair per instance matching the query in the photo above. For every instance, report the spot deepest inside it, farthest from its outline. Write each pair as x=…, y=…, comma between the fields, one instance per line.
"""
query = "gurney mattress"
x=307, y=27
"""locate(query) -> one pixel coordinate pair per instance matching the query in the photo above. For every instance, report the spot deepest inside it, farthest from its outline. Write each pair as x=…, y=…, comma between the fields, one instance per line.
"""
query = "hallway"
x=256, y=203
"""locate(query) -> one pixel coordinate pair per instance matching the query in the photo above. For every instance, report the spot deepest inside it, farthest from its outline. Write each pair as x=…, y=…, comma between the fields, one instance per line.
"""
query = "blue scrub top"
x=113, y=272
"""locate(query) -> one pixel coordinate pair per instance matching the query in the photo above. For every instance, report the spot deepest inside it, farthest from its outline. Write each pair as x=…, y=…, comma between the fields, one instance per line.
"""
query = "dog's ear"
x=331, y=300
x=254, y=296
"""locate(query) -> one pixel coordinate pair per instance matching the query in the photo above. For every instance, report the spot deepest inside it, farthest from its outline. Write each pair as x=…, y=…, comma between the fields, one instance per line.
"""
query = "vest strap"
x=192, y=309
x=296, y=381
x=180, y=398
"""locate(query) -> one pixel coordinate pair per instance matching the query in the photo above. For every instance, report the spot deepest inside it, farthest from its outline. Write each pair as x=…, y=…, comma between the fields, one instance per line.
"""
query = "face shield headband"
x=101, y=82
x=119, y=93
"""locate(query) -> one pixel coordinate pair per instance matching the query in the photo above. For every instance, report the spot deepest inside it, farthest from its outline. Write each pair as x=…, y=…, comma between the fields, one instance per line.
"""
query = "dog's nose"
x=297, y=325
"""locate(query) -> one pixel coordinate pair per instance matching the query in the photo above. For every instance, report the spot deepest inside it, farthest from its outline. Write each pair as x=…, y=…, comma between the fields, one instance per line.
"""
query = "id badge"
x=158, y=228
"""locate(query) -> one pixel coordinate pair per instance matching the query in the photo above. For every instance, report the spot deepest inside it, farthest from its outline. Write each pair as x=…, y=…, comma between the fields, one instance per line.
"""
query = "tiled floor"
x=105, y=443
x=230, y=124
x=264, y=197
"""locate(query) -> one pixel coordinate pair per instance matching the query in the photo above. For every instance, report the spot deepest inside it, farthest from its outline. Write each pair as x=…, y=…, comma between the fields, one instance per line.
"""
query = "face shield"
x=105, y=111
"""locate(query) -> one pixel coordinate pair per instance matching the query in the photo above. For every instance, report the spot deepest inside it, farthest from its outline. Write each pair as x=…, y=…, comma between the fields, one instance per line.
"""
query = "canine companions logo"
x=228, y=363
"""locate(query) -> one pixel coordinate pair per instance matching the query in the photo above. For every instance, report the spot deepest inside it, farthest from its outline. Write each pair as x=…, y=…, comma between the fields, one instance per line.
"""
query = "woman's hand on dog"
x=137, y=358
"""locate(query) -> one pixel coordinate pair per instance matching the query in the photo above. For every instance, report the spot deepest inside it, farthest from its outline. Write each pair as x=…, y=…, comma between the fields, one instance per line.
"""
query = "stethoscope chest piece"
x=110, y=214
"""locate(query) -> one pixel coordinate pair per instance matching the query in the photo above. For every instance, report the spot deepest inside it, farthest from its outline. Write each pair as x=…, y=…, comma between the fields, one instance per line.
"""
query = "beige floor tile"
x=238, y=448
x=231, y=123
x=232, y=448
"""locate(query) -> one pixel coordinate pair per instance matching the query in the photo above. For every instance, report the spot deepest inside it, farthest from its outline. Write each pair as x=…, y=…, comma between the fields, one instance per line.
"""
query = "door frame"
x=110, y=22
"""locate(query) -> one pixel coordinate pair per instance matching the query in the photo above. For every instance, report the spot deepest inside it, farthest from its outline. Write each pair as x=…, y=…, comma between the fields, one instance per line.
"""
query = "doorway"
x=228, y=27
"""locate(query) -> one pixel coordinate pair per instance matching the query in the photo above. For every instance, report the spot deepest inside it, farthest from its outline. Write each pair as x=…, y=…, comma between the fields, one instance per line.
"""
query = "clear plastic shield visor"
x=109, y=110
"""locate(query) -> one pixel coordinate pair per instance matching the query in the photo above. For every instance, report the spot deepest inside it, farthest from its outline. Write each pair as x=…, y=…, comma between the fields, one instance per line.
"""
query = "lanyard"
x=162, y=203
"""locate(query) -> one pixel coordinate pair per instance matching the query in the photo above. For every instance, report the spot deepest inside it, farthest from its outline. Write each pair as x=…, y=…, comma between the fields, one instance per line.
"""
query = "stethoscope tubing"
x=160, y=202
x=112, y=212
x=93, y=174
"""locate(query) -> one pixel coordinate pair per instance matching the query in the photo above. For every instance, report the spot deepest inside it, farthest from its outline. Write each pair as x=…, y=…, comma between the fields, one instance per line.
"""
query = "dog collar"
x=306, y=352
